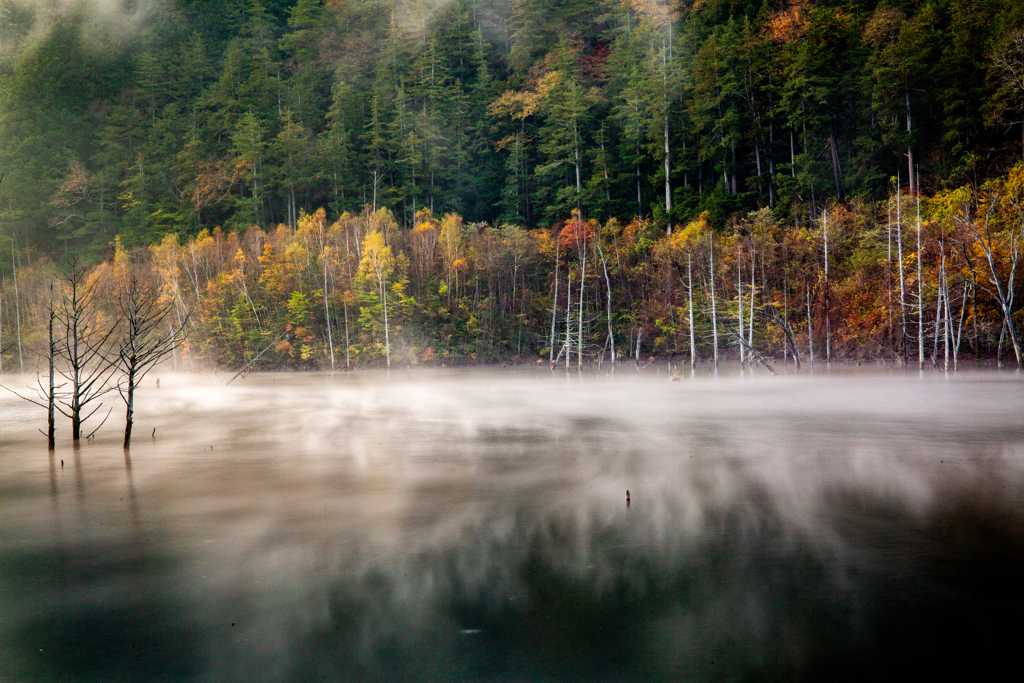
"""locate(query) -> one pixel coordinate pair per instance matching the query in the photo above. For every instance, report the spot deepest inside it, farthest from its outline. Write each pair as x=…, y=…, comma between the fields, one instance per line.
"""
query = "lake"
x=473, y=525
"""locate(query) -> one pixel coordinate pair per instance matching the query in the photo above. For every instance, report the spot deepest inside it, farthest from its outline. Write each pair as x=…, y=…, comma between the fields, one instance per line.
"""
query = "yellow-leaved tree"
x=377, y=264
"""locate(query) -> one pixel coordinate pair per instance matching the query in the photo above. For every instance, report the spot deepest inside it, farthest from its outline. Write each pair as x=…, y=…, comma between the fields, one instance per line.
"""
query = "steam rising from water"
x=473, y=526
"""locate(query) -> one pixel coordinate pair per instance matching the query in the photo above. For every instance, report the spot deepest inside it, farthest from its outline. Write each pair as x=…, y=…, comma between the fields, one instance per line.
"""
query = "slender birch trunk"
x=344, y=303
x=583, y=279
x=943, y=312
x=174, y=347
x=554, y=305
x=938, y=324
x=739, y=294
x=668, y=181
x=910, y=148
x=608, y=288
x=834, y=149
x=753, y=290
x=888, y=262
x=344, y=307
x=668, y=156
x=945, y=319
x=387, y=333
x=689, y=291
x=576, y=153
x=1003, y=297
x=327, y=314
x=999, y=348
x=17, y=311
x=792, y=155
x=810, y=330
x=946, y=330
x=714, y=312
x=959, y=330
x=568, y=321
x=920, y=290
x=639, y=197
x=899, y=256
x=828, y=321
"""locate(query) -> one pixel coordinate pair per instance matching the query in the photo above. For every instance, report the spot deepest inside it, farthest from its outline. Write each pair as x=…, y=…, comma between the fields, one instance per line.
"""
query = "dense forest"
x=349, y=183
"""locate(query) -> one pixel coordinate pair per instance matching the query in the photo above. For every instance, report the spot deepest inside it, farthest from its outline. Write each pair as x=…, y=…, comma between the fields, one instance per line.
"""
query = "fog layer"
x=474, y=526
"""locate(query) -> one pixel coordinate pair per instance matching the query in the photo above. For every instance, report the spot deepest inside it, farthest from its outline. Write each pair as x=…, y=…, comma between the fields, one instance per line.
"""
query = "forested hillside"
x=248, y=156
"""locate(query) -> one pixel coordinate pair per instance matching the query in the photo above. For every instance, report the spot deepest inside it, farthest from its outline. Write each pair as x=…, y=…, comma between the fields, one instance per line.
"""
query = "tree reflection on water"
x=472, y=527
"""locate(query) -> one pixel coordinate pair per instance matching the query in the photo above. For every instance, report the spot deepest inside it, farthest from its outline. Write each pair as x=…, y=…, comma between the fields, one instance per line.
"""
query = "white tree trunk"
x=714, y=312
x=739, y=296
x=899, y=258
x=554, y=306
x=828, y=321
x=583, y=279
x=327, y=314
x=753, y=288
x=608, y=289
x=387, y=332
x=568, y=321
x=689, y=289
x=910, y=149
x=810, y=329
x=17, y=311
x=920, y=291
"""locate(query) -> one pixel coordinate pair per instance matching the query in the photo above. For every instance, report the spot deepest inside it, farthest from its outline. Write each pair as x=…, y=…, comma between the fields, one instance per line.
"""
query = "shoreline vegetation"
x=337, y=185
x=913, y=281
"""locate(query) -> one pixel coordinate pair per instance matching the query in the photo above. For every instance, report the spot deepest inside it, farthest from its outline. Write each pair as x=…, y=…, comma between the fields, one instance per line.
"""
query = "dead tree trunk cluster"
x=87, y=360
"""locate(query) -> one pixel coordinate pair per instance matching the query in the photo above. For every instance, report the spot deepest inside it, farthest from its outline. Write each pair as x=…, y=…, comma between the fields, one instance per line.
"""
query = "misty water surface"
x=473, y=526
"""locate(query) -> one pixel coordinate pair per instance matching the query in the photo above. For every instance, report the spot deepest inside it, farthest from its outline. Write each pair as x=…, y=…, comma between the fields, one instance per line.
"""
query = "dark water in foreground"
x=473, y=527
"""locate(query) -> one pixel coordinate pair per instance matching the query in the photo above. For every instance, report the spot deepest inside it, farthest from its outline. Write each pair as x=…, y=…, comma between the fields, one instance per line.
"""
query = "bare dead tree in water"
x=771, y=315
x=81, y=346
x=46, y=395
x=752, y=354
x=51, y=427
x=608, y=299
x=689, y=295
x=554, y=303
x=989, y=239
x=142, y=344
